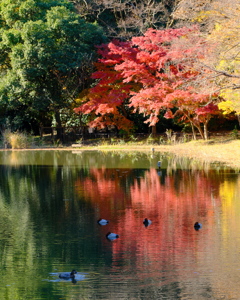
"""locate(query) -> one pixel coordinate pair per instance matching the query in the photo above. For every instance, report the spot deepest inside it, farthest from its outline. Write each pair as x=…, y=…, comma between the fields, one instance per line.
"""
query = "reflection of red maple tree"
x=104, y=185
x=173, y=207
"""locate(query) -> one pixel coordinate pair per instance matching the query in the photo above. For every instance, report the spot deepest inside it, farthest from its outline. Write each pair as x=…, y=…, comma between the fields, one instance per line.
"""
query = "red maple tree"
x=193, y=108
x=150, y=73
x=106, y=100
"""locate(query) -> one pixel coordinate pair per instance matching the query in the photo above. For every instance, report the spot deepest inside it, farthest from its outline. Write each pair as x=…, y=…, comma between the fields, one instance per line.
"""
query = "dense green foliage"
x=44, y=49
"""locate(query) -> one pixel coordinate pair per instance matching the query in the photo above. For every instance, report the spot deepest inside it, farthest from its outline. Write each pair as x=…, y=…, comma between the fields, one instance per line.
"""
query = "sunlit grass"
x=219, y=149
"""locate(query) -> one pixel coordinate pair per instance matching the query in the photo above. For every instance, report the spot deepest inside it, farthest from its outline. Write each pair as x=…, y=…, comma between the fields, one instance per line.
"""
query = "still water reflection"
x=50, y=202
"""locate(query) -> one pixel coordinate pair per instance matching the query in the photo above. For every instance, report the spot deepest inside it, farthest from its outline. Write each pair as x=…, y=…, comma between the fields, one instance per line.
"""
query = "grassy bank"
x=223, y=149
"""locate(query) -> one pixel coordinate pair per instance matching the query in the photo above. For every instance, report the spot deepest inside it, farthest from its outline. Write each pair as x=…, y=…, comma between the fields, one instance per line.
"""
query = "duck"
x=102, y=222
x=112, y=236
x=147, y=222
x=197, y=226
x=68, y=275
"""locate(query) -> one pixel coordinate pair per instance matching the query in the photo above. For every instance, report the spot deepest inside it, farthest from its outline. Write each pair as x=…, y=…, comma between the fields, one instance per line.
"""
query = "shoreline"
x=227, y=152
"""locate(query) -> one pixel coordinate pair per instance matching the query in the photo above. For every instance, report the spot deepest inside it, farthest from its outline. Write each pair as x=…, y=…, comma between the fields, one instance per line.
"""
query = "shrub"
x=234, y=134
x=17, y=140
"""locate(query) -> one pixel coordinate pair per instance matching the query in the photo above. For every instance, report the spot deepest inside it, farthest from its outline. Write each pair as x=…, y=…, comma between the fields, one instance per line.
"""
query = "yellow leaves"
x=226, y=106
x=198, y=19
x=206, y=14
x=222, y=64
x=230, y=65
x=232, y=103
x=79, y=101
x=218, y=27
x=201, y=16
x=82, y=97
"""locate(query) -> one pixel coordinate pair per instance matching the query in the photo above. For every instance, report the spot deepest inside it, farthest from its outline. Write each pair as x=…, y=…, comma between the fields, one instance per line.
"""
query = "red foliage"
x=149, y=71
x=193, y=108
x=108, y=95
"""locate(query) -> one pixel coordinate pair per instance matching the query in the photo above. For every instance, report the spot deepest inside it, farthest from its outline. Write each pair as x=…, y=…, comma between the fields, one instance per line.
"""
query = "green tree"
x=47, y=52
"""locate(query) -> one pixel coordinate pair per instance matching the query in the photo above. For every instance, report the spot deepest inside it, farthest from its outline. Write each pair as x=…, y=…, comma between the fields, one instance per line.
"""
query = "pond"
x=50, y=202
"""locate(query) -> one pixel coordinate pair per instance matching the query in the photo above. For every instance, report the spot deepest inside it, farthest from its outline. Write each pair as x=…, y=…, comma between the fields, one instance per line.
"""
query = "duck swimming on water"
x=112, y=236
x=197, y=226
x=68, y=275
x=102, y=222
x=147, y=222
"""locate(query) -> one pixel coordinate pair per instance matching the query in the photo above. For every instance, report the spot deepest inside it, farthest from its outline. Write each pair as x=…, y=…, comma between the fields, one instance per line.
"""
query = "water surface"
x=50, y=202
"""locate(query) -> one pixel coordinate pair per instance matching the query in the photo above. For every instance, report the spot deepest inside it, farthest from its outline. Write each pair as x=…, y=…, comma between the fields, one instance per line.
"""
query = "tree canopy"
x=125, y=19
x=151, y=73
x=220, y=20
x=46, y=55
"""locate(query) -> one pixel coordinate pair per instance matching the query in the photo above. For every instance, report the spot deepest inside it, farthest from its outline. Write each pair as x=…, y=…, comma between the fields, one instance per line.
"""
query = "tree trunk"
x=193, y=131
x=58, y=124
x=205, y=130
x=154, y=130
x=200, y=130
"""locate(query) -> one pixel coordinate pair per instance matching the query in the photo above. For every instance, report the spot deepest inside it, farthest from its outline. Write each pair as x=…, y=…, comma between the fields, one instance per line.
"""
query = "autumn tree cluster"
x=190, y=74
x=116, y=64
x=150, y=74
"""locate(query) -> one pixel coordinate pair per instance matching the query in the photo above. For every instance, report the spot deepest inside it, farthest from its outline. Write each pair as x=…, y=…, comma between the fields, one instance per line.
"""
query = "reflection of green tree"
x=39, y=224
x=17, y=247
